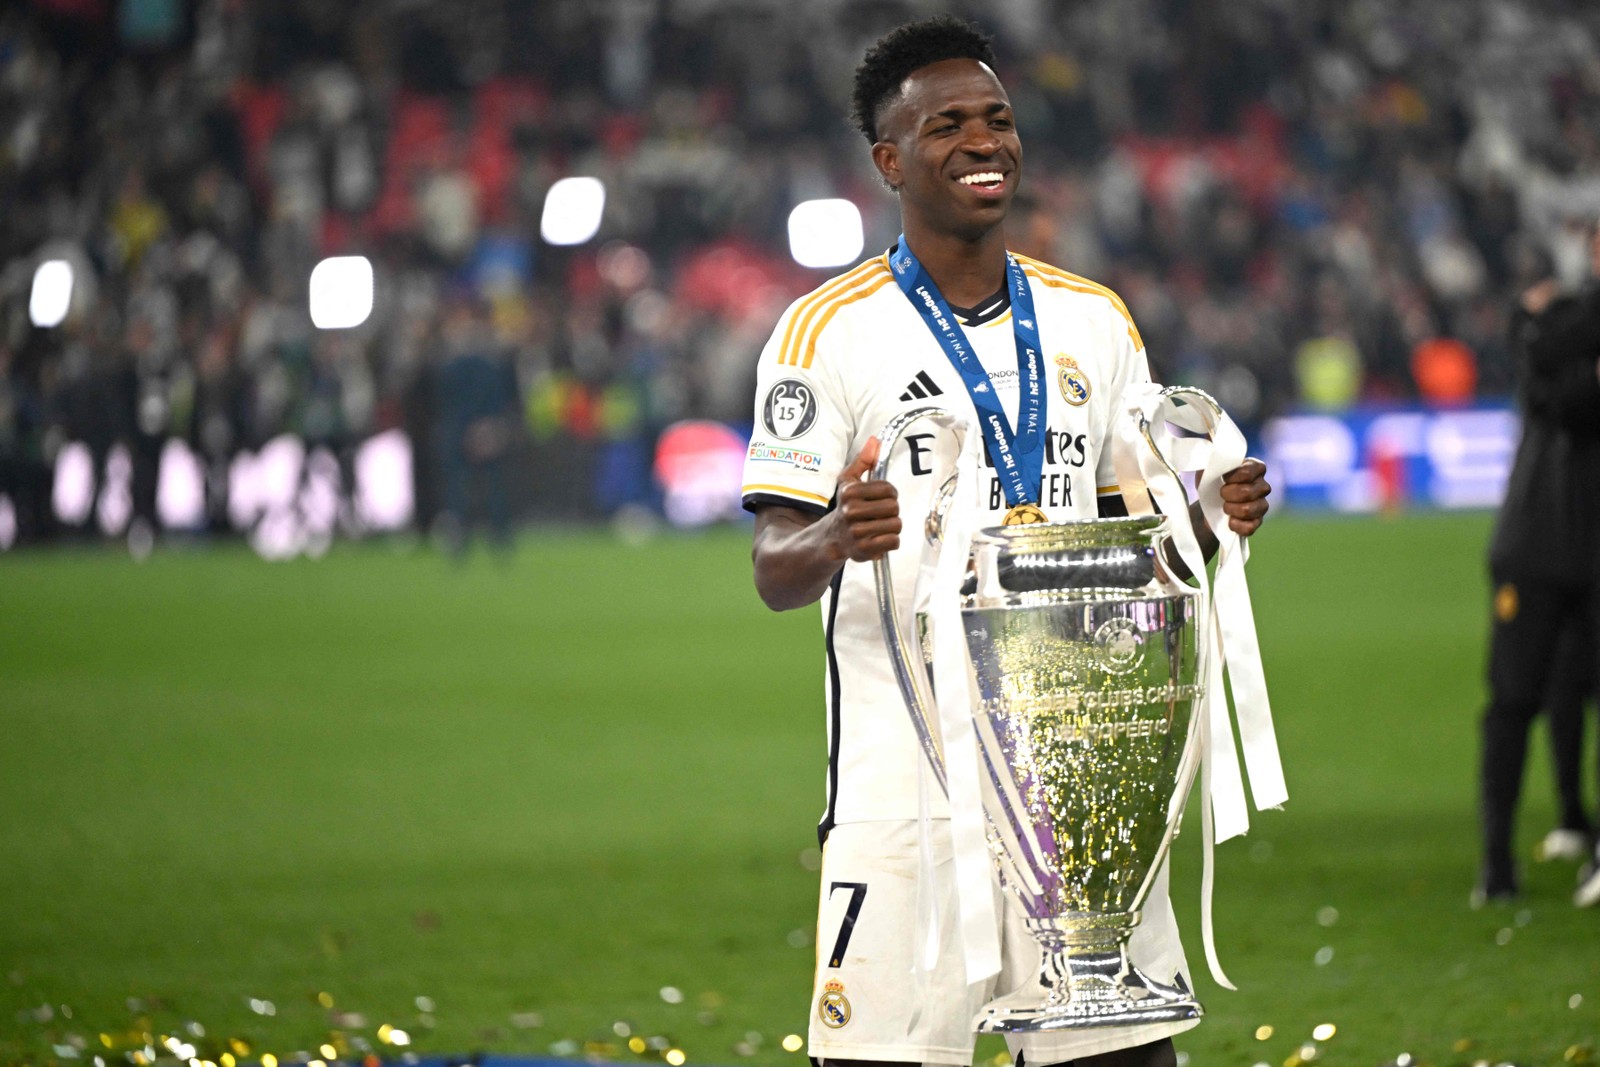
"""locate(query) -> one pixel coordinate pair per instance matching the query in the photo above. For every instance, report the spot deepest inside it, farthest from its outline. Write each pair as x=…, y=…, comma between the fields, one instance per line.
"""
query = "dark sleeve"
x=1559, y=351
x=754, y=502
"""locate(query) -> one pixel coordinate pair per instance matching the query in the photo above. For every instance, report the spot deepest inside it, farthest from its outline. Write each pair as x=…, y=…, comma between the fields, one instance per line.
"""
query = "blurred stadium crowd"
x=1306, y=203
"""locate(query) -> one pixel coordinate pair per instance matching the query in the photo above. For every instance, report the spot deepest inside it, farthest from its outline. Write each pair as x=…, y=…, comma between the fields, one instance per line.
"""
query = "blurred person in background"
x=24, y=473
x=1544, y=562
x=218, y=418
x=477, y=420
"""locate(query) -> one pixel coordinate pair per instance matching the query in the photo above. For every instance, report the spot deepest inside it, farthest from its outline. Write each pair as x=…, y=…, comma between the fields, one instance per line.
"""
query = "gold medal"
x=1022, y=515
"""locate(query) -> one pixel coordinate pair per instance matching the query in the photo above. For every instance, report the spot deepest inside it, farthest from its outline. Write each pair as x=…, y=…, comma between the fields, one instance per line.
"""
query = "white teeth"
x=984, y=178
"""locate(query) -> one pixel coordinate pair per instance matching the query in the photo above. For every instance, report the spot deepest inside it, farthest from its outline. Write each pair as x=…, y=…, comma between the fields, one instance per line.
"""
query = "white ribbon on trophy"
x=952, y=685
x=1143, y=446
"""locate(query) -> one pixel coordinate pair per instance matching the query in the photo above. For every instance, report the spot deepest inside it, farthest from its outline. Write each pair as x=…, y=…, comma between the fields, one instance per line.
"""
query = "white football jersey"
x=842, y=362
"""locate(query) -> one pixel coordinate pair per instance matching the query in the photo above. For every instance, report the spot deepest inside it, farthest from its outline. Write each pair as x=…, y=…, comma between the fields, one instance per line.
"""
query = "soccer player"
x=1044, y=357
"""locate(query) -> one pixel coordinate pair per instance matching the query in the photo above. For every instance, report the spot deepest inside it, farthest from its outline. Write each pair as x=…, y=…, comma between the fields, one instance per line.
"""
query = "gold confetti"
x=329, y=1052
x=1263, y=1032
x=384, y=1033
x=792, y=1043
x=325, y=999
x=676, y=1057
x=269, y=1060
x=637, y=1044
x=228, y=1060
x=1324, y=1031
x=1462, y=1044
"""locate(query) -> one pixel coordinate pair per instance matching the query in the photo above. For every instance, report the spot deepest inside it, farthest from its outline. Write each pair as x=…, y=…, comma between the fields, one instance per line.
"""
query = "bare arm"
x=796, y=554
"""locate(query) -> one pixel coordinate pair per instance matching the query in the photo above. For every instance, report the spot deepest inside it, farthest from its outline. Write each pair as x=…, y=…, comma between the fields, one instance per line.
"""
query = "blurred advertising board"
x=1362, y=460
x=1377, y=458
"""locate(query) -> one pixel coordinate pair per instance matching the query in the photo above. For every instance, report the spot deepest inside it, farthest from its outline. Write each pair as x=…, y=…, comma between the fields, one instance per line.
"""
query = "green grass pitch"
x=538, y=793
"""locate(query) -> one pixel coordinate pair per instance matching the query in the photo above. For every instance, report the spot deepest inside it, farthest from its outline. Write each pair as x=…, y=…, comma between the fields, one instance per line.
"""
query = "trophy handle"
x=912, y=676
x=1188, y=395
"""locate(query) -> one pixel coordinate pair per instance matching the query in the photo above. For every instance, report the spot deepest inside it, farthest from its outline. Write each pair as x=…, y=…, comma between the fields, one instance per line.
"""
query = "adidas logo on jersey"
x=921, y=388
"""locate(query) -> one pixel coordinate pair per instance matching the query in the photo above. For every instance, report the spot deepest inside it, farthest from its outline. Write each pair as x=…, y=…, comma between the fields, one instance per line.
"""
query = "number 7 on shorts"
x=858, y=893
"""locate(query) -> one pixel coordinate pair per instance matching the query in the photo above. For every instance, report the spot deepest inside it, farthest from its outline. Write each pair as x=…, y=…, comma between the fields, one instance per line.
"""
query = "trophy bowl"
x=1085, y=678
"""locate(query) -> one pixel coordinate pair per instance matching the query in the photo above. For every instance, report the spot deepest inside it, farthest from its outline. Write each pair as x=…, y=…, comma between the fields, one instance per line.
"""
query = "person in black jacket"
x=1545, y=548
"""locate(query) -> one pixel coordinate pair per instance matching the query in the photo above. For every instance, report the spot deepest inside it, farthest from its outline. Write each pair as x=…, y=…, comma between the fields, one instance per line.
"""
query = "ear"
x=886, y=157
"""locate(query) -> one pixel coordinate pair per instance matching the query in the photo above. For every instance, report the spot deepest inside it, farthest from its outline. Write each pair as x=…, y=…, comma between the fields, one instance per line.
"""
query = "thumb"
x=863, y=462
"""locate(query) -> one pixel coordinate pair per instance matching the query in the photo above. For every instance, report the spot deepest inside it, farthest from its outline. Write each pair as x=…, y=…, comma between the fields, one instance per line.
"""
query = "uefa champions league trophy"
x=1085, y=685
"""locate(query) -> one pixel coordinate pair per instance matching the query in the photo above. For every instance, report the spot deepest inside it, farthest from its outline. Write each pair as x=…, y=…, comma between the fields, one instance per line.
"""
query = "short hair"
x=905, y=50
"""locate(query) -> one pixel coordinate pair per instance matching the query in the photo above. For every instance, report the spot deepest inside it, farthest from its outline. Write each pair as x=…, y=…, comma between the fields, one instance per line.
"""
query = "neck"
x=966, y=270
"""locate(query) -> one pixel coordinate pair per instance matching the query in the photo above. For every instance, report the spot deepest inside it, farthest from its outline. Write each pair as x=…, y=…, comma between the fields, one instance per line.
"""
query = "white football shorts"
x=865, y=1000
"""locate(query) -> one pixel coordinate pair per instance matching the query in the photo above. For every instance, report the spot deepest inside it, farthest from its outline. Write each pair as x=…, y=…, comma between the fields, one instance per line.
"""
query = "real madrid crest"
x=1074, y=383
x=832, y=1007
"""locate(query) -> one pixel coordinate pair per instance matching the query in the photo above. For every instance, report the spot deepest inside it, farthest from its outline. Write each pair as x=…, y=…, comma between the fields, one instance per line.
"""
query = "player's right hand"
x=866, y=513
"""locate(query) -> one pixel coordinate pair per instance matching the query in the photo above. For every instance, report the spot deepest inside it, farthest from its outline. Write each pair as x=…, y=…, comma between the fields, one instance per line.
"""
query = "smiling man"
x=947, y=317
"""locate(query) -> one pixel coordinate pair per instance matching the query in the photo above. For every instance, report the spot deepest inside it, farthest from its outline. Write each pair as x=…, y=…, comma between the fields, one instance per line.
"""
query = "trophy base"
x=1100, y=989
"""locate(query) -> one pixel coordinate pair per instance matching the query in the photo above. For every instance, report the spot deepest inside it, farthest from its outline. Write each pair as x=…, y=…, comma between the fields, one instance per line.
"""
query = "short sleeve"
x=1133, y=369
x=802, y=429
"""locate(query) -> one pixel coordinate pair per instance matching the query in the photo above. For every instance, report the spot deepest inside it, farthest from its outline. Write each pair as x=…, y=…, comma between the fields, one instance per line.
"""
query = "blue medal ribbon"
x=1018, y=452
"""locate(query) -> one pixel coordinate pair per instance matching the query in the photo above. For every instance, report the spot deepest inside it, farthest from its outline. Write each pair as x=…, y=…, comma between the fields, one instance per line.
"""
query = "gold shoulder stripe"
x=1057, y=283
x=782, y=490
x=833, y=309
x=1066, y=275
x=872, y=274
x=811, y=301
x=1060, y=279
x=1091, y=286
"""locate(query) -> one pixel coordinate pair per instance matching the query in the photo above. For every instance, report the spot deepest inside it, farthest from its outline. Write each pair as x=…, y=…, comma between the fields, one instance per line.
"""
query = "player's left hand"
x=1244, y=496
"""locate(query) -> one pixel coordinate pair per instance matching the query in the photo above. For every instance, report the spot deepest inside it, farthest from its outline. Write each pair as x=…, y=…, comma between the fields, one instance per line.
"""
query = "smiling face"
x=948, y=145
